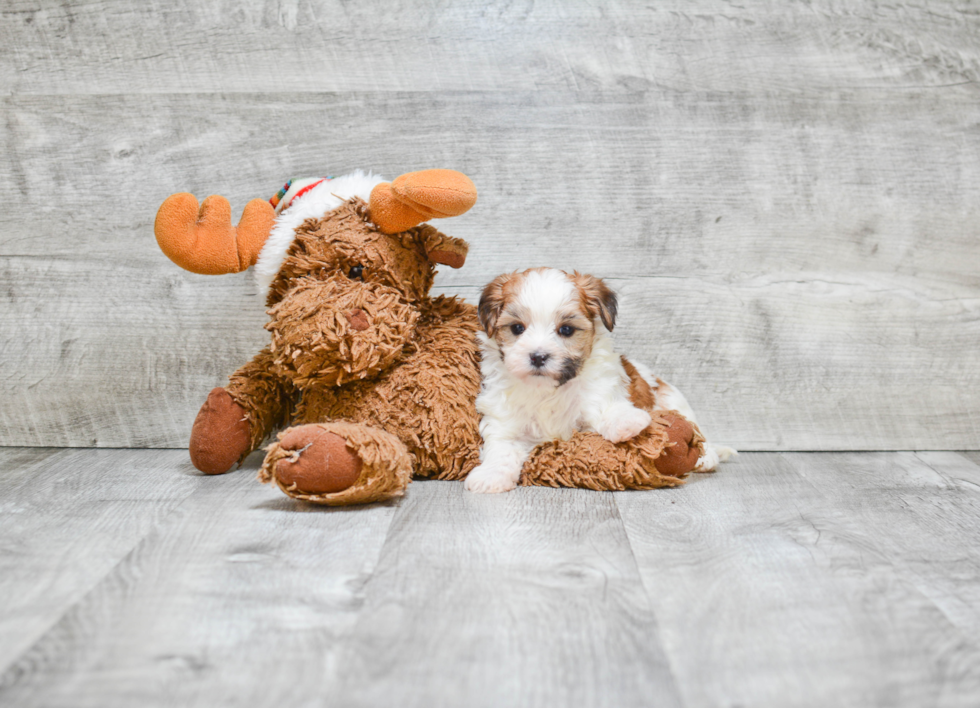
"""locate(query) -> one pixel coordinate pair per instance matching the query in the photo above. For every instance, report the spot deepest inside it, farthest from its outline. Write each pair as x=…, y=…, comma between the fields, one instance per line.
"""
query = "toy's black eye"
x=356, y=273
x=517, y=329
x=566, y=330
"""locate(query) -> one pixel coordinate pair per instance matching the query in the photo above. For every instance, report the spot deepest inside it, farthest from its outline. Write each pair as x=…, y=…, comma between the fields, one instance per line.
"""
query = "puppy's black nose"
x=538, y=359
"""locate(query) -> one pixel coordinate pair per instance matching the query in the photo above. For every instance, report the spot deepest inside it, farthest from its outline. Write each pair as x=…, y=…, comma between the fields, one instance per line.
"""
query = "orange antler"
x=202, y=240
x=419, y=196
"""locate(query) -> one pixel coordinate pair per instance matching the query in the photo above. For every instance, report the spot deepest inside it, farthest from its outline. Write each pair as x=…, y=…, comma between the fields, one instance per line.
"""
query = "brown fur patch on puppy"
x=597, y=298
x=494, y=299
x=641, y=395
x=578, y=347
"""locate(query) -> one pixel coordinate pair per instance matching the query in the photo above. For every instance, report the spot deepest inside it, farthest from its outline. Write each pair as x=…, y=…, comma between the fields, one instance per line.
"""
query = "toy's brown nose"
x=358, y=320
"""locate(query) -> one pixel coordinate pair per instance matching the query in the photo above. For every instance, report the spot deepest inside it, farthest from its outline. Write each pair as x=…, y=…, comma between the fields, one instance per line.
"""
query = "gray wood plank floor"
x=787, y=579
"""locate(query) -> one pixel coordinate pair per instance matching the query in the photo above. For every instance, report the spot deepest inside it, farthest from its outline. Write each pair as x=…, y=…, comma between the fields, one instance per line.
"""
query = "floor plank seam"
x=37, y=647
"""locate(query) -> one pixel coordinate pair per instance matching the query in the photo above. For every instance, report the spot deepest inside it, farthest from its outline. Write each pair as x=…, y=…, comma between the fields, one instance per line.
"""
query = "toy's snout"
x=335, y=330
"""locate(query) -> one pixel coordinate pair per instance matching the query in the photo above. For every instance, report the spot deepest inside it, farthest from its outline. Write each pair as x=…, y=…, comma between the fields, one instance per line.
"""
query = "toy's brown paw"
x=338, y=463
x=316, y=461
x=681, y=454
x=221, y=435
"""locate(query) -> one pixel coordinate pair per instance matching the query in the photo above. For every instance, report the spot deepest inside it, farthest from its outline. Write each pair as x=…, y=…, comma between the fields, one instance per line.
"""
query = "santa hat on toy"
x=201, y=239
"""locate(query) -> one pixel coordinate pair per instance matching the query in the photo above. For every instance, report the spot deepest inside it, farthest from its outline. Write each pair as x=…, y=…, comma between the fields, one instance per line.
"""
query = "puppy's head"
x=544, y=321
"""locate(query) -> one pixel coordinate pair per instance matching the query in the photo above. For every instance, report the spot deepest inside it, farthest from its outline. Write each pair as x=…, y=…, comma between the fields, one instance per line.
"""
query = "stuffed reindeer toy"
x=368, y=379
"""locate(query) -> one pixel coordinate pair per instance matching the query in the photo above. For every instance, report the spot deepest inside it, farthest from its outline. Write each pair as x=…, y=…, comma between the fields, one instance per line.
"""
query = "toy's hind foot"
x=685, y=446
x=338, y=464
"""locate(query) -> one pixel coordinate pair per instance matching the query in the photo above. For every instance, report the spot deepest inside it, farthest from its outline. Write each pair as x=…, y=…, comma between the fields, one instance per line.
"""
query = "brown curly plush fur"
x=589, y=460
x=373, y=351
x=378, y=380
x=660, y=456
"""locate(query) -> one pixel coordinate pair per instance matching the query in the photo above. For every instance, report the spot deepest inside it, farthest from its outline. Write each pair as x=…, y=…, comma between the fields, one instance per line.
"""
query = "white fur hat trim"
x=324, y=197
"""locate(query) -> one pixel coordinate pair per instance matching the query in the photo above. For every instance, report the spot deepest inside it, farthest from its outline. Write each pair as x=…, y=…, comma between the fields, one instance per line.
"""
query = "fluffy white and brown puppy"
x=549, y=369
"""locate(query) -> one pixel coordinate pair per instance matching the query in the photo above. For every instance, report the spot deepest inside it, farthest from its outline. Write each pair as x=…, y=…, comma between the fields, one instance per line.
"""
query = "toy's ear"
x=492, y=303
x=599, y=299
x=443, y=249
x=201, y=238
x=419, y=196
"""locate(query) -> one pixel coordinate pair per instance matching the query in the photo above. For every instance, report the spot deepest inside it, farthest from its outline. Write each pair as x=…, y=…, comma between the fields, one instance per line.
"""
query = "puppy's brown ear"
x=443, y=249
x=492, y=302
x=598, y=298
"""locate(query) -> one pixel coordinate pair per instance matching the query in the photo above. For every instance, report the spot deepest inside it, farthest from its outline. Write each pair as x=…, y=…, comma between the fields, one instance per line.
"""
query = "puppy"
x=549, y=369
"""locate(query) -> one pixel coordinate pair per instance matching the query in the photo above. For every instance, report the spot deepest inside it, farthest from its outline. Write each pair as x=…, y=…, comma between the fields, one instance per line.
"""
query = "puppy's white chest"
x=554, y=417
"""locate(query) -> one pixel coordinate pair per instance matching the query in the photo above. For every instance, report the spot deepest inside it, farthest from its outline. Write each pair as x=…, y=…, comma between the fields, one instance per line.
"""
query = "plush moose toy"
x=369, y=379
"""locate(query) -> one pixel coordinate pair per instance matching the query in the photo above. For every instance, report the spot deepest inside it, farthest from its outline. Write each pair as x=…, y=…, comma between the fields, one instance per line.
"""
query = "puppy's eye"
x=566, y=330
x=517, y=329
x=356, y=273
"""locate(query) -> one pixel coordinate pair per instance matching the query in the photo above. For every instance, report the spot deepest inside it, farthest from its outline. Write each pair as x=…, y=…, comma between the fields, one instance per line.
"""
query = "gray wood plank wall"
x=787, y=195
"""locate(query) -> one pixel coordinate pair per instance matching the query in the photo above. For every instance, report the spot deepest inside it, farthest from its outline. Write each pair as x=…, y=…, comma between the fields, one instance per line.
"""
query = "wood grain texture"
x=525, y=599
x=854, y=574
x=973, y=456
x=67, y=519
x=113, y=46
x=803, y=579
x=787, y=197
x=236, y=596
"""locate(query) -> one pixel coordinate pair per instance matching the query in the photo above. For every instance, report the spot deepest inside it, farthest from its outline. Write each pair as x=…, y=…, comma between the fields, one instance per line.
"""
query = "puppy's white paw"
x=725, y=453
x=713, y=456
x=625, y=424
x=490, y=480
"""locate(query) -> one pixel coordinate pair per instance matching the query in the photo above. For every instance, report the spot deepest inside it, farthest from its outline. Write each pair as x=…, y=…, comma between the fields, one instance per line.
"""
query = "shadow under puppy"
x=549, y=370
